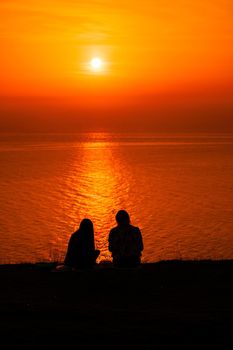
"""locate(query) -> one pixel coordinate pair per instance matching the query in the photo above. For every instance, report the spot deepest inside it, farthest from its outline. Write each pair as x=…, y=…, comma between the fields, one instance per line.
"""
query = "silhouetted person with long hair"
x=125, y=242
x=81, y=251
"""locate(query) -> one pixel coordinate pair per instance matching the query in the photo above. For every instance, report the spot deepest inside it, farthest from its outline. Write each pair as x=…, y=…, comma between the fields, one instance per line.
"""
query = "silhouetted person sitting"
x=81, y=251
x=125, y=242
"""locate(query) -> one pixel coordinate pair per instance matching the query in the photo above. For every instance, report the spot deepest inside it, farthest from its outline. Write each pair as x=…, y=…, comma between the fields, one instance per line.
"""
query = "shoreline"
x=157, y=305
x=104, y=263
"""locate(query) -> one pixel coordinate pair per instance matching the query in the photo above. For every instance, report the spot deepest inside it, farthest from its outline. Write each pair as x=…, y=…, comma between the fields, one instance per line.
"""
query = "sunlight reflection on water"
x=177, y=190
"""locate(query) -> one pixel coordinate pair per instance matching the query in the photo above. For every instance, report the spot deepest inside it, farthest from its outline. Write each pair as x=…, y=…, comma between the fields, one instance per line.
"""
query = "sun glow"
x=96, y=64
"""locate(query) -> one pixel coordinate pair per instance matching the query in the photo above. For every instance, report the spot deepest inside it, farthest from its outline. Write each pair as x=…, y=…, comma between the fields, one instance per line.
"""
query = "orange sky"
x=162, y=59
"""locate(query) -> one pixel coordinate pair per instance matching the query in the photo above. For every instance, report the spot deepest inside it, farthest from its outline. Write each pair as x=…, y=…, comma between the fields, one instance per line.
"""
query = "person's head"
x=86, y=225
x=122, y=218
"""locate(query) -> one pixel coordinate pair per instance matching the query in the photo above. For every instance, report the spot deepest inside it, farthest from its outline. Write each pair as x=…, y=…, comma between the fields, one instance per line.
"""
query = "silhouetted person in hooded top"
x=81, y=251
x=125, y=242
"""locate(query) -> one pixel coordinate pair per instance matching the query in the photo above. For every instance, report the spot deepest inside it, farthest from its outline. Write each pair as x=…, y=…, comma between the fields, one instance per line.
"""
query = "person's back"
x=81, y=251
x=125, y=242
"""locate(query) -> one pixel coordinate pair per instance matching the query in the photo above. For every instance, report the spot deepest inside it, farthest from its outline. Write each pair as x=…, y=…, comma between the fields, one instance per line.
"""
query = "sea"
x=177, y=188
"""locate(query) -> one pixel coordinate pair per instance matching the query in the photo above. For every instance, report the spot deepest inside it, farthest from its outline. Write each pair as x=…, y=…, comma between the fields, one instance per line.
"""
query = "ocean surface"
x=177, y=188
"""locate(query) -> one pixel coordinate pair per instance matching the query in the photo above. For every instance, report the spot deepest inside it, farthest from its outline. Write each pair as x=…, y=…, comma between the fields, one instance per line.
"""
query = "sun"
x=96, y=64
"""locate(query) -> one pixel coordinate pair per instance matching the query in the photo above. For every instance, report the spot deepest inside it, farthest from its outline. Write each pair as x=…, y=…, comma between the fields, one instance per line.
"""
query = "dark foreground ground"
x=171, y=304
